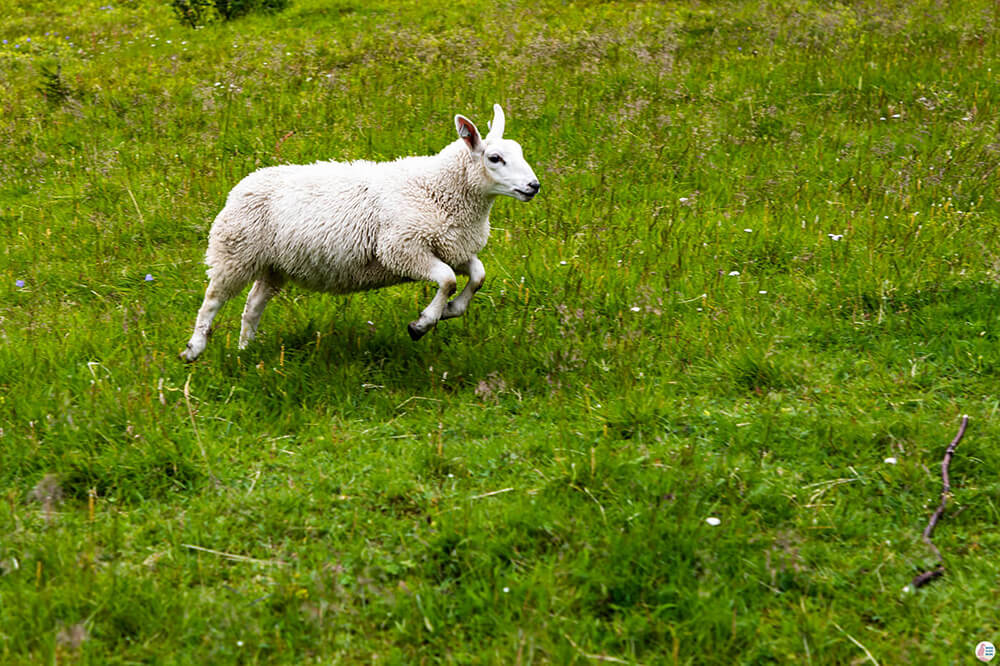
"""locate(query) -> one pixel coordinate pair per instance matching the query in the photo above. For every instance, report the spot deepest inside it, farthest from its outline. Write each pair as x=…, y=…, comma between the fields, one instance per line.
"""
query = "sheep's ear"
x=468, y=132
x=496, y=127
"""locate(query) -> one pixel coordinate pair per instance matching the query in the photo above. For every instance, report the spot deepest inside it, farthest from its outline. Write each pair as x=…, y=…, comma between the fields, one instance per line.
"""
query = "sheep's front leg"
x=440, y=272
x=477, y=274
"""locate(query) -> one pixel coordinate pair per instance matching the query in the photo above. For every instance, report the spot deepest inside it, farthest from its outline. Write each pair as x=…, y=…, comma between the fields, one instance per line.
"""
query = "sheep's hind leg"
x=217, y=293
x=263, y=290
x=439, y=272
x=477, y=274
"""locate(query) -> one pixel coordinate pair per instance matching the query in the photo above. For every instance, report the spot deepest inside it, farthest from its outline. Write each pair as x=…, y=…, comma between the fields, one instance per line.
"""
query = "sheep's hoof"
x=187, y=356
x=415, y=332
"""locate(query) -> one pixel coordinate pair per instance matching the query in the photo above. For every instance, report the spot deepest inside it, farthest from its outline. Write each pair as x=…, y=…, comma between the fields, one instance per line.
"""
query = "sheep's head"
x=503, y=160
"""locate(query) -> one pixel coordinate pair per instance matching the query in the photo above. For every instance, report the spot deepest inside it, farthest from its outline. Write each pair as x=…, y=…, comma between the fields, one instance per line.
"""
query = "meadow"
x=760, y=285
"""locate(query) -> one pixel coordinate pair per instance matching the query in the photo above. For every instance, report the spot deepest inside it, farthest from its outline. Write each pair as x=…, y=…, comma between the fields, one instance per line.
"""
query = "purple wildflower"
x=149, y=277
x=19, y=283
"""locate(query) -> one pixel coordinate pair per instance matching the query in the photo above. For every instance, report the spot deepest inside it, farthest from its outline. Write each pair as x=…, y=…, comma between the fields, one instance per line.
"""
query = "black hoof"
x=415, y=333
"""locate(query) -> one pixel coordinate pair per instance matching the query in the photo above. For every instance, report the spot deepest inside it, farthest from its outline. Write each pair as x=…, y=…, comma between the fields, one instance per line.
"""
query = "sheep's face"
x=507, y=172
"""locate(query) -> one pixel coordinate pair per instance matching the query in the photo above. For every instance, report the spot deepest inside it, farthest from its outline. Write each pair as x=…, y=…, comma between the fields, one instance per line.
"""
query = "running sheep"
x=343, y=227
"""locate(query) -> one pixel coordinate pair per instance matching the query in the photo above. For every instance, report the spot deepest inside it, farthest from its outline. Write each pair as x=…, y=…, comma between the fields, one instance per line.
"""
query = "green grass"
x=765, y=258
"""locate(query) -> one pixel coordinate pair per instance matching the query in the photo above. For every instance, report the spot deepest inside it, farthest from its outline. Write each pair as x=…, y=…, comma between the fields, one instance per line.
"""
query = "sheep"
x=344, y=227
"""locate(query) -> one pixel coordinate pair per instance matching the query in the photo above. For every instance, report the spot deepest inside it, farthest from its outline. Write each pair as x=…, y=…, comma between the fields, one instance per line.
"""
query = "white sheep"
x=345, y=227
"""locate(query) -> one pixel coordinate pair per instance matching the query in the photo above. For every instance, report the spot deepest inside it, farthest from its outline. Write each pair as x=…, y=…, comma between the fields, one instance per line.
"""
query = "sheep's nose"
x=534, y=186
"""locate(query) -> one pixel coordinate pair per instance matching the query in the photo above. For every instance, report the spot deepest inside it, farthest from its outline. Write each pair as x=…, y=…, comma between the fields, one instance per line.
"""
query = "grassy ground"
x=765, y=259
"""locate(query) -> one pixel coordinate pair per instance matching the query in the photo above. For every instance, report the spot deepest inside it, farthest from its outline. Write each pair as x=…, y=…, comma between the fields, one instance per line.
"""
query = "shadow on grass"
x=448, y=359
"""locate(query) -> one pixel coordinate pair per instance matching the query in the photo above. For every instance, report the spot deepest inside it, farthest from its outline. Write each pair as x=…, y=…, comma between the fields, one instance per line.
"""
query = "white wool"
x=351, y=226
x=343, y=227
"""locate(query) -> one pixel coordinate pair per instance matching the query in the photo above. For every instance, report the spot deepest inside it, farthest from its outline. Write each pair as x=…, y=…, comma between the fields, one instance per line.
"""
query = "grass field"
x=765, y=259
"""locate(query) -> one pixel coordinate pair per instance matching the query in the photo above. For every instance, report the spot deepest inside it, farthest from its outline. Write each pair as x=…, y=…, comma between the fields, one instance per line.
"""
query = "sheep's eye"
x=495, y=159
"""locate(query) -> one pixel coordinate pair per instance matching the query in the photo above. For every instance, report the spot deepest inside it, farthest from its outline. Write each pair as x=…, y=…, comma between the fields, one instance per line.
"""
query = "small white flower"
x=890, y=461
x=563, y=263
x=835, y=237
x=635, y=308
x=713, y=521
x=749, y=231
x=239, y=643
x=907, y=589
x=506, y=590
x=895, y=115
x=733, y=273
x=683, y=199
x=762, y=291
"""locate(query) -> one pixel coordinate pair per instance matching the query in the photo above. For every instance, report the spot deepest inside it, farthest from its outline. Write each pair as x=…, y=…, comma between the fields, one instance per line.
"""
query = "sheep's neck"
x=458, y=188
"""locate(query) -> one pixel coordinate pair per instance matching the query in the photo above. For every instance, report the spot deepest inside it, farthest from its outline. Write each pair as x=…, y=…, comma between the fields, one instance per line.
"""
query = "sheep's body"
x=332, y=226
x=345, y=227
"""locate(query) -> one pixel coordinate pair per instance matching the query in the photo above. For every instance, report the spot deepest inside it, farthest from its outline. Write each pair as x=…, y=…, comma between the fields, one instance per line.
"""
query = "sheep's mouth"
x=525, y=196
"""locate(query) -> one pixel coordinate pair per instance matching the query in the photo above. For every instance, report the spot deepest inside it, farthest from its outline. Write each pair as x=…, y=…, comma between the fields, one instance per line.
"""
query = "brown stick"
x=280, y=142
x=928, y=576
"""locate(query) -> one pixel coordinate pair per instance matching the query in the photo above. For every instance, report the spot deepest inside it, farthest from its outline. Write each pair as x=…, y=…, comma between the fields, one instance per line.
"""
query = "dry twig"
x=234, y=556
x=928, y=576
